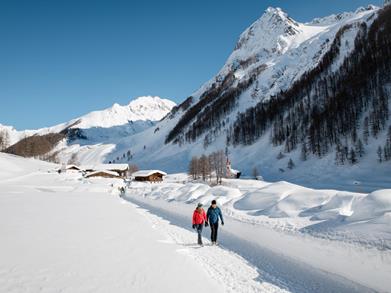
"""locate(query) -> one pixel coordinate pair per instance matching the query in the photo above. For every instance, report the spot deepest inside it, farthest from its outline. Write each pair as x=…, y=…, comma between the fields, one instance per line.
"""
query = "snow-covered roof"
x=73, y=167
x=103, y=171
x=120, y=167
x=146, y=173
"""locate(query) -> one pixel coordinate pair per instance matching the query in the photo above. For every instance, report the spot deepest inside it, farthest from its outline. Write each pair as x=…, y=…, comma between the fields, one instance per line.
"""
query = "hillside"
x=318, y=93
x=67, y=140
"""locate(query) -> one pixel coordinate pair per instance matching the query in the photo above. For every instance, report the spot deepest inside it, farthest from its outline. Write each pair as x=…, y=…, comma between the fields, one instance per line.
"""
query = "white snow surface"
x=62, y=232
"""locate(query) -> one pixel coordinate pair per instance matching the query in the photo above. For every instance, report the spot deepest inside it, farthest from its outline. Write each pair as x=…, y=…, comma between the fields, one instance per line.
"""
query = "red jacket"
x=199, y=218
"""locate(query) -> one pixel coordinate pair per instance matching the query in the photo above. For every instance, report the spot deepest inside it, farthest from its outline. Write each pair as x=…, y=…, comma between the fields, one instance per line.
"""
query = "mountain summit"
x=146, y=108
x=269, y=33
x=85, y=133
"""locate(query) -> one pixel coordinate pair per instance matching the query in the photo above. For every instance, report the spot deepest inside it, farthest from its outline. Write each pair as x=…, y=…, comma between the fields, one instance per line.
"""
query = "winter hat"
x=214, y=202
x=199, y=205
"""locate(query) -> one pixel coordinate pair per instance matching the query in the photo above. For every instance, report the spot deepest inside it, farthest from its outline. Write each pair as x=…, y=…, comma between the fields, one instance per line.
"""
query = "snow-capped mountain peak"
x=269, y=31
x=150, y=108
x=146, y=108
x=143, y=110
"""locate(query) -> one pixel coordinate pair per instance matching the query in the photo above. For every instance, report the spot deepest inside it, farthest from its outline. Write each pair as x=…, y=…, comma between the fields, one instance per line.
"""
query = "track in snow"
x=283, y=272
x=231, y=271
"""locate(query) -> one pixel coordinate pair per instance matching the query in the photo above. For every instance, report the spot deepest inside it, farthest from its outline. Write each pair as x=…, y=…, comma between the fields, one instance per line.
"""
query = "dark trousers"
x=199, y=232
x=213, y=235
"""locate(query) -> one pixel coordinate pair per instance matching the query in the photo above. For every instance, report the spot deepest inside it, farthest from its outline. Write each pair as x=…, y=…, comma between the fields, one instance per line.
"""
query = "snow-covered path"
x=59, y=234
x=274, y=268
x=230, y=271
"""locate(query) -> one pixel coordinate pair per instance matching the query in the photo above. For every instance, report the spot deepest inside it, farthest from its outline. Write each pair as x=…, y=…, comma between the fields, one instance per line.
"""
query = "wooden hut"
x=149, y=175
x=121, y=169
x=104, y=174
x=69, y=168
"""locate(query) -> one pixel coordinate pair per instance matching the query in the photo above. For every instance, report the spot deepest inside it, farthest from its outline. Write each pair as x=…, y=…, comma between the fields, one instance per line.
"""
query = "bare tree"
x=204, y=167
x=132, y=169
x=218, y=160
x=255, y=172
x=4, y=140
x=193, y=168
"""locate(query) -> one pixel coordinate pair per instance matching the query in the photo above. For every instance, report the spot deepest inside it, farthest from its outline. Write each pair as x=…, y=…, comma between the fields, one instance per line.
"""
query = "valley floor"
x=61, y=233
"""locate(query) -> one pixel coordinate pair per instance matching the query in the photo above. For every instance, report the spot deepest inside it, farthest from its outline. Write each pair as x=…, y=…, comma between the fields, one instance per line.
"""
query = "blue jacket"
x=213, y=215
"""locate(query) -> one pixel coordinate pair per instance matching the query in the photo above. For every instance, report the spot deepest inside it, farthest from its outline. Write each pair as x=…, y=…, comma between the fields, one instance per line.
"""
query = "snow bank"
x=376, y=204
x=12, y=166
x=322, y=213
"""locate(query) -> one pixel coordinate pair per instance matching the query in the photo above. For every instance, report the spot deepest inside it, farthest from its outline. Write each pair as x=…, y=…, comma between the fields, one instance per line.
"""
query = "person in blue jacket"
x=212, y=216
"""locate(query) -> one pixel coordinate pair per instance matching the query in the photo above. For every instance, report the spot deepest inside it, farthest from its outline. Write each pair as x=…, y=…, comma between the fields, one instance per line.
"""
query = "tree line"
x=207, y=166
x=37, y=146
x=4, y=140
x=326, y=110
x=213, y=105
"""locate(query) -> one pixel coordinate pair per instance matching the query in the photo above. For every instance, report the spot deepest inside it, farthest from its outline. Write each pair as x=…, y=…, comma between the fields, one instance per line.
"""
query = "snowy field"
x=62, y=233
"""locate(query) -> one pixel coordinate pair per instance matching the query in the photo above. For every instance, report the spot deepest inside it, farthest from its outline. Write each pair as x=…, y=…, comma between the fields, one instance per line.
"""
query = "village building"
x=149, y=175
x=89, y=168
x=121, y=169
x=69, y=168
x=100, y=170
x=231, y=173
x=73, y=168
x=104, y=174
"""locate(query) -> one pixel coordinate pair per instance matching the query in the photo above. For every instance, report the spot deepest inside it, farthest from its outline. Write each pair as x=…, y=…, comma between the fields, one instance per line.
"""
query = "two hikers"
x=200, y=218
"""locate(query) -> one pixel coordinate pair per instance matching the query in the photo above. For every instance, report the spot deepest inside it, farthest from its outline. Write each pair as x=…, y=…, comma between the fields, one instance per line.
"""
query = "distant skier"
x=212, y=217
x=199, y=218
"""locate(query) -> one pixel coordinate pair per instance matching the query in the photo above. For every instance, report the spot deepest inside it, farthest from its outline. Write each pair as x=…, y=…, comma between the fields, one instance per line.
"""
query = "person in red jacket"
x=199, y=219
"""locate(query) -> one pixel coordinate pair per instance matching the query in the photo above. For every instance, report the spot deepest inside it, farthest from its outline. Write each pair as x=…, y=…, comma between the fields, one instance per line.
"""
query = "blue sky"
x=62, y=59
